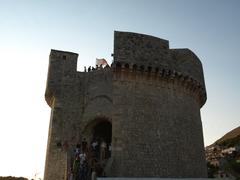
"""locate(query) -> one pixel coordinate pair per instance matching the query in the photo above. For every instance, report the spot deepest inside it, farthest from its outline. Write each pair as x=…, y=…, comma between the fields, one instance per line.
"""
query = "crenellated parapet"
x=135, y=53
x=163, y=74
x=138, y=53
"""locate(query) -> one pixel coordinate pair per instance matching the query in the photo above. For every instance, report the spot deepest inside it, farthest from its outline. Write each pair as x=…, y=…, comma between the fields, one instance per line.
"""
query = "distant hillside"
x=12, y=178
x=223, y=156
x=235, y=133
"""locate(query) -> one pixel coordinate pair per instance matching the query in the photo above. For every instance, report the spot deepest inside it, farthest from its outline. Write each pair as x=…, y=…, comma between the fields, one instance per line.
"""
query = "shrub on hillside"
x=12, y=178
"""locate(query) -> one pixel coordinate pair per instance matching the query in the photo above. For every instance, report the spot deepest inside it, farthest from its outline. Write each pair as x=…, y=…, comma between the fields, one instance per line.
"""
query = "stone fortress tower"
x=147, y=105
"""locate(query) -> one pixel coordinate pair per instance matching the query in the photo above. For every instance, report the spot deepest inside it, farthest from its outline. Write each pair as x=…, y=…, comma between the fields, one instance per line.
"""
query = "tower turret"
x=61, y=63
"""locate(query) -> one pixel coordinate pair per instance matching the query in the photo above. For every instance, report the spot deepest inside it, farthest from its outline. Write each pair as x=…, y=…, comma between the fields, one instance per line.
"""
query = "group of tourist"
x=89, y=159
x=91, y=68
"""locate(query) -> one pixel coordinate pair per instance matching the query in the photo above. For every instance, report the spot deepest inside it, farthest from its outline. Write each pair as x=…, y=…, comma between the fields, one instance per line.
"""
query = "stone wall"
x=159, y=128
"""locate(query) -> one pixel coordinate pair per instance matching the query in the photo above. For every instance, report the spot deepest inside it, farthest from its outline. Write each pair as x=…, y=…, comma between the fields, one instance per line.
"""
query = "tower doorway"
x=101, y=141
x=103, y=131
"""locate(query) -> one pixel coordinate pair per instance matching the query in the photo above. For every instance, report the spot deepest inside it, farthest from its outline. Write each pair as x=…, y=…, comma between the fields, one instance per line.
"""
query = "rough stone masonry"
x=146, y=104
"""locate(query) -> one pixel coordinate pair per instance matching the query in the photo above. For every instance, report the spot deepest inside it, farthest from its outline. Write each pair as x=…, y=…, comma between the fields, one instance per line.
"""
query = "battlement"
x=139, y=52
x=150, y=75
x=135, y=52
x=148, y=51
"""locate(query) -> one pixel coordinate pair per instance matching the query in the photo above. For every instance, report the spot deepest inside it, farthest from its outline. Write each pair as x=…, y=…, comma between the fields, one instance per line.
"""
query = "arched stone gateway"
x=98, y=135
x=146, y=104
x=98, y=128
x=103, y=130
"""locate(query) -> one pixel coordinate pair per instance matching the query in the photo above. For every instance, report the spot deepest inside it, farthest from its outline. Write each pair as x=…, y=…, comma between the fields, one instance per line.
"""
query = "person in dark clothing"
x=89, y=68
x=83, y=171
x=76, y=166
x=84, y=145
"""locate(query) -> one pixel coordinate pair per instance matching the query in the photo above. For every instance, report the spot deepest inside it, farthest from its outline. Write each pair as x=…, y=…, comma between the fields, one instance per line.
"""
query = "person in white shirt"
x=103, y=148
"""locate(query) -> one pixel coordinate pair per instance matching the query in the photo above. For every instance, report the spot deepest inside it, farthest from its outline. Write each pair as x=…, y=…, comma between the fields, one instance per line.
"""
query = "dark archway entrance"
x=103, y=131
x=102, y=136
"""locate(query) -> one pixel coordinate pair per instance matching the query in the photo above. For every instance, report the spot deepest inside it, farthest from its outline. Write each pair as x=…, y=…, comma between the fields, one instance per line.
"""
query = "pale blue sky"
x=30, y=28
